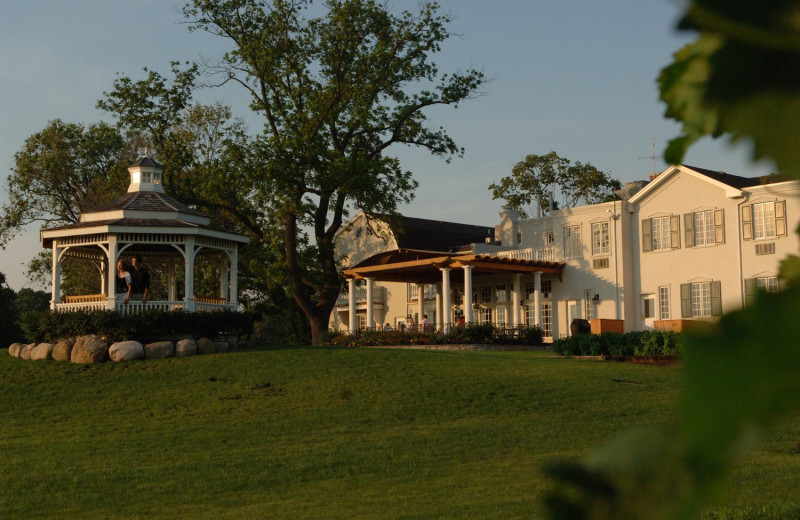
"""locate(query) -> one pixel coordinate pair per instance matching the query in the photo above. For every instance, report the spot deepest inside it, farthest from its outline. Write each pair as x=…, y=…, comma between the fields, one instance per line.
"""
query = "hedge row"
x=470, y=335
x=638, y=343
x=146, y=326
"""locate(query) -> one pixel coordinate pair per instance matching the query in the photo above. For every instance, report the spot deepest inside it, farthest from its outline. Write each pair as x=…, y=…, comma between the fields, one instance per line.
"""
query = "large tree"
x=531, y=187
x=336, y=92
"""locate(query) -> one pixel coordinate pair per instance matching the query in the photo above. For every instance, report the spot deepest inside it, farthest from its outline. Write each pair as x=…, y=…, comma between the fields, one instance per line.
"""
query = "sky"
x=577, y=77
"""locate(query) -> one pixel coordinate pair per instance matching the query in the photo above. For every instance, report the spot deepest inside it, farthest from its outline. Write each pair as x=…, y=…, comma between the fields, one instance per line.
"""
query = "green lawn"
x=330, y=433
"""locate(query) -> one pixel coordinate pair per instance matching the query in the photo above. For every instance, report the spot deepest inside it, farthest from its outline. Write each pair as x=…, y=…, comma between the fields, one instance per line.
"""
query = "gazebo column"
x=467, y=294
x=420, y=302
x=516, y=292
x=233, y=297
x=446, y=310
x=351, y=305
x=111, y=280
x=189, y=274
x=101, y=266
x=56, y=277
x=537, y=298
x=171, y=285
x=370, y=304
x=223, y=278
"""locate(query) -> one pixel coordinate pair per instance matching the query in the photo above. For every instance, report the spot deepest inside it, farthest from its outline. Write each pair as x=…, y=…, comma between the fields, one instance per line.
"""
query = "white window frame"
x=703, y=228
x=660, y=229
x=547, y=319
x=601, y=243
x=663, y=303
x=701, y=299
x=589, y=293
x=573, y=248
x=764, y=221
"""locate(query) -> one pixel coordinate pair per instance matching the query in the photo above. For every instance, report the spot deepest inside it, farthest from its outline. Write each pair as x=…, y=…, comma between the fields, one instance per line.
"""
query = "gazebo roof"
x=144, y=201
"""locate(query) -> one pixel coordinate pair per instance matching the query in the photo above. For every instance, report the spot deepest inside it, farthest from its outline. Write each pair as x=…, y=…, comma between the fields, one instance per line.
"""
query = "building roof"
x=436, y=235
x=735, y=181
x=146, y=201
x=146, y=162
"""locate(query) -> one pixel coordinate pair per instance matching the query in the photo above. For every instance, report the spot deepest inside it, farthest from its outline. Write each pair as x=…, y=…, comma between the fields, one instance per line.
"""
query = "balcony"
x=378, y=297
x=545, y=254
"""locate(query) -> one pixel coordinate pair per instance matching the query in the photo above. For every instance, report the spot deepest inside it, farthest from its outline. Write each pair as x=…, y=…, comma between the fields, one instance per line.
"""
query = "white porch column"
x=516, y=295
x=189, y=275
x=233, y=296
x=351, y=304
x=537, y=298
x=438, y=312
x=370, y=304
x=111, y=279
x=446, y=305
x=420, y=302
x=468, y=294
x=56, y=277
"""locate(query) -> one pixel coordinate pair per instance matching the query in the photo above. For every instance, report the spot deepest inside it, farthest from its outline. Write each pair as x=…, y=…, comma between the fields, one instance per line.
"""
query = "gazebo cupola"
x=146, y=222
x=146, y=175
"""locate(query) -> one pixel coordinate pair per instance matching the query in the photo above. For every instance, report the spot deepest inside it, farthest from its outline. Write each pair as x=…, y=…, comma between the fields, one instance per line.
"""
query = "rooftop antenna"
x=652, y=156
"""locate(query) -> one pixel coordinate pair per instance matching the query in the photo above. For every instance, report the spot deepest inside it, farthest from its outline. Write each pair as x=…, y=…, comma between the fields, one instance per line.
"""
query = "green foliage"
x=636, y=343
x=484, y=334
x=145, y=326
x=532, y=179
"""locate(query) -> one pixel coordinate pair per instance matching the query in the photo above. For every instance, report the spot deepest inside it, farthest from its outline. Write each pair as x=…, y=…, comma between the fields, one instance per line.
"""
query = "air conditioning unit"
x=767, y=248
x=600, y=263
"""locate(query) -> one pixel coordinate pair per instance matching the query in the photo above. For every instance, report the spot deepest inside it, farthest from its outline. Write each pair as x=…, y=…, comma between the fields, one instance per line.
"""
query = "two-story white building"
x=689, y=245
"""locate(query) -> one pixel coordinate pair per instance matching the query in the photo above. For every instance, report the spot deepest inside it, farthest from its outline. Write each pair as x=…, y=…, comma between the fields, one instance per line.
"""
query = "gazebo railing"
x=100, y=302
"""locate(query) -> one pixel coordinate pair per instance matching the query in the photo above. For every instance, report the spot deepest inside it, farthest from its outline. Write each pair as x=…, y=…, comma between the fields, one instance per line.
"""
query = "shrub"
x=637, y=343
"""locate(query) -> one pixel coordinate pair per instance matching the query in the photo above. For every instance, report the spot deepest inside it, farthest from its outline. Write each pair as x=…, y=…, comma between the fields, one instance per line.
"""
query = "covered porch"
x=446, y=271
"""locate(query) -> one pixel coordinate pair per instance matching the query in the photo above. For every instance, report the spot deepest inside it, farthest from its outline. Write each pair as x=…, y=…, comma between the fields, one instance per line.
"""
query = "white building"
x=690, y=245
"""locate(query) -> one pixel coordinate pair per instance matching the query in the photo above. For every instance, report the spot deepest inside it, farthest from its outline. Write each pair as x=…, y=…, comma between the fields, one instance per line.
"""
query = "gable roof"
x=731, y=184
x=436, y=235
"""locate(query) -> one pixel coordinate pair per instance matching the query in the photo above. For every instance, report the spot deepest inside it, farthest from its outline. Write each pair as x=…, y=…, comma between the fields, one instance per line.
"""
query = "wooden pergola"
x=147, y=223
x=431, y=267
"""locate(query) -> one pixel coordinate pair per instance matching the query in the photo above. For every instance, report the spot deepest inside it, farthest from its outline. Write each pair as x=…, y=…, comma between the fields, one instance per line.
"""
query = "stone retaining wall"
x=95, y=349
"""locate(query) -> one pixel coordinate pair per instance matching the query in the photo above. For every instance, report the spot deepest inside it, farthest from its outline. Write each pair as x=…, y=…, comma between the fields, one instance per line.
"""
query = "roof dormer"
x=146, y=175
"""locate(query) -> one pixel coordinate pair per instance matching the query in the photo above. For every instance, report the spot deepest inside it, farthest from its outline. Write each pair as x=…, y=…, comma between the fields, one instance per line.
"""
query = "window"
x=500, y=294
x=768, y=284
x=764, y=220
x=485, y=315
x=600, y=243
x=458, y=296
x=530, y=315
x=589, y=304
x=648, y=306
x=549, y=238
x=701, y=299
x=663, y=303
x=519, y=237
x=486, y=295
x=661, y=233
x=529, y=289
x=704, y=228
x=547, y=288
x=572, y=242
x=362, y=321
x=547, y=319
x=147, y=177
x=500, y=315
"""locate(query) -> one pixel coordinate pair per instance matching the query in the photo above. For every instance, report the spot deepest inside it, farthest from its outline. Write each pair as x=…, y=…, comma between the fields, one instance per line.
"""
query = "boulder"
x=63, y=349
x=14, y=348
x=159, y=350
x=126, y=351
x=25, y=351
x=41, y=351
x=89, y=349
x=205, y=346
x=220, y=346
x=186, y=347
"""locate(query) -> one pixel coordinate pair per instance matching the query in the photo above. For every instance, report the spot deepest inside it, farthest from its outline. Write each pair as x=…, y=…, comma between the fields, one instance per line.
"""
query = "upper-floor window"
x=549, y=238
x=764, y=220
x=769, y=284
x=500, y=294
x=600, y=241
x=703, y=228
x=572, y=242
x=661, y=233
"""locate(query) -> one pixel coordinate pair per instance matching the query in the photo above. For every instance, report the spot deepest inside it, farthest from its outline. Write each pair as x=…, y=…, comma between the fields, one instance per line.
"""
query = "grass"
x=331, y=433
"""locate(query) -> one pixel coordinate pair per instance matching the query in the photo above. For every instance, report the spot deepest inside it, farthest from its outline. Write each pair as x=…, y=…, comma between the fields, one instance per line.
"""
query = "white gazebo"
x=149, y=223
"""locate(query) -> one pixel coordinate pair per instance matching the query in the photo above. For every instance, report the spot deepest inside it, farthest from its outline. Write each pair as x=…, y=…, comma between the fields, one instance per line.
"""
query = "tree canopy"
x=531, y=187
x=336, y=92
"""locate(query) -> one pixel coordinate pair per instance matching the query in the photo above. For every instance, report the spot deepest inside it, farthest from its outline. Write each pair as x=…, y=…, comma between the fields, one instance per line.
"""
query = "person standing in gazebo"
x=124, y=283
x=140, y=278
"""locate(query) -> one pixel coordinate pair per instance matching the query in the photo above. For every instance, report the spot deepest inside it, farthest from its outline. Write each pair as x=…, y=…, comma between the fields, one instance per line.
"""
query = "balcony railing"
x=545, y=254
x=378, y=297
